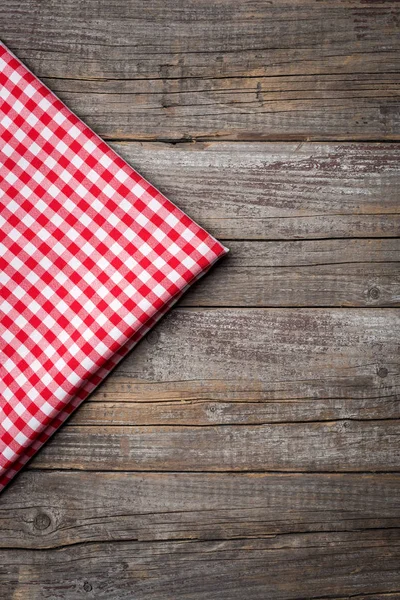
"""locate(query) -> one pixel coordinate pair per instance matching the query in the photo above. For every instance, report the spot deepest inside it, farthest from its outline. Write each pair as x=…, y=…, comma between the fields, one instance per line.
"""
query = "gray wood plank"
x=278, y=190
x=256, y=70
x=47, y=509
x=339, y=446
x=120, y=410
x=257, y=355
x=143, y=37
x=337, y=107
x=312, y=565
x=303, y=273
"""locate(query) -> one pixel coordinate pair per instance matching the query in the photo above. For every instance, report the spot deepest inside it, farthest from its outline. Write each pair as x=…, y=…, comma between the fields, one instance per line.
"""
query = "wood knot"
x=382, y=372
x=41, y=521
x=152, y=338
x=87, y=587
x=374, y=293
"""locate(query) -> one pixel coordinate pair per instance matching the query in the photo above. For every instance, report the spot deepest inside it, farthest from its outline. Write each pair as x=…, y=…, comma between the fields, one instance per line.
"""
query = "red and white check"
x=91, y=255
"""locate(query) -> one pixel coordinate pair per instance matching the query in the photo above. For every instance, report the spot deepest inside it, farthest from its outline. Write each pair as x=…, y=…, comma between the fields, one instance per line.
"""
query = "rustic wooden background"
x=249, y=447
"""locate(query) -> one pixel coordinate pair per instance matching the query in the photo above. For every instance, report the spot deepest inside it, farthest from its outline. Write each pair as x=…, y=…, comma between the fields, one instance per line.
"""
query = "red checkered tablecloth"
x=91, y=255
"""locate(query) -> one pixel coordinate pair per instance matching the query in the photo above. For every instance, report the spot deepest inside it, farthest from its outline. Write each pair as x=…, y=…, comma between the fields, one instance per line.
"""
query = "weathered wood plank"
x=294, y=69
x=278, y=191
x=299, y=447
x=197, y=411
x=131, y=41
x=283, y=567
x=304, y=273
x=342, y=107
x=46, y=509
x=264, y=354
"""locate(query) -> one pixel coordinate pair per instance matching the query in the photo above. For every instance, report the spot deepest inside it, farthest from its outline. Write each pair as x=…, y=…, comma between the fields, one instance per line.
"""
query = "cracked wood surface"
x=249, y=446
x=58, y=508
x=290, y=566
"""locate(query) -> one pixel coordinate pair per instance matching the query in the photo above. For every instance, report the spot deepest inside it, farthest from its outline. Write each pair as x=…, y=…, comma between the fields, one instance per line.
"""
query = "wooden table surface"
x=249, y=447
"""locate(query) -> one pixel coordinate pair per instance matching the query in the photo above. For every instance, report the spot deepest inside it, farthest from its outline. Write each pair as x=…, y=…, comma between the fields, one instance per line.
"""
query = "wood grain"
x=120, y=410
x=340, y=107
x=264, y=355
x=264, y=191
x=275, y=70
x=339, y=446
x=312, y=565
x=43, y=509
x=303, y=273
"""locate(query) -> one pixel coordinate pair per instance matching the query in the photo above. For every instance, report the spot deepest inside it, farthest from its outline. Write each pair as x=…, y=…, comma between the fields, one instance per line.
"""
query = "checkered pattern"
x=91, y=255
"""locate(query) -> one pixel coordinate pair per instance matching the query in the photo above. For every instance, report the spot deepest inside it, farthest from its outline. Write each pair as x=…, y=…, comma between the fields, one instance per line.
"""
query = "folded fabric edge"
x=52, y=427
x=226, y=250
